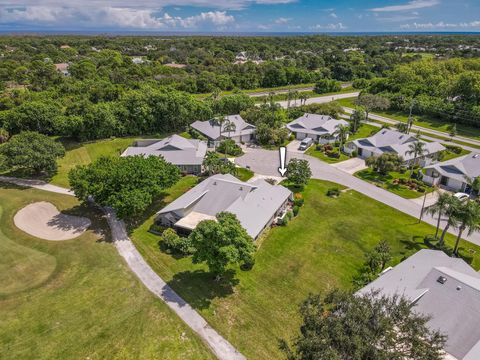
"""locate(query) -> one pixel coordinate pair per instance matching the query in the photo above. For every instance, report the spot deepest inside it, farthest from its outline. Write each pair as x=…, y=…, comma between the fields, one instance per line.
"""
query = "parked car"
x=462, y=196
x=305, y=144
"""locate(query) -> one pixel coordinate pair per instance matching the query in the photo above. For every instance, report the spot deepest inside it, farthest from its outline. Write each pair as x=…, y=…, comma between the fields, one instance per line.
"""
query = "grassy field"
x=386, y=182
x=320, y=249
x=77, y=299
x=82, y=154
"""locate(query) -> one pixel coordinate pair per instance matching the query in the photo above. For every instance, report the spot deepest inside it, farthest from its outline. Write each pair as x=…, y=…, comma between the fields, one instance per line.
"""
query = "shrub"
x=299, y=202
x=421, y=189
x=175, y=243
x=291, y=137
x=333, y=192
x=319, y=147
x=327, y=147
x=229, y=147
x=289, y=215
x=333, y=154
x=295, y=210
x=354, y=153
x=454, y=149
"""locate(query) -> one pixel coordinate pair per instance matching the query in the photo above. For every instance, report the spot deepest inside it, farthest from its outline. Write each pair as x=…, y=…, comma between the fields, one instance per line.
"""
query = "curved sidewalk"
x=220, y=346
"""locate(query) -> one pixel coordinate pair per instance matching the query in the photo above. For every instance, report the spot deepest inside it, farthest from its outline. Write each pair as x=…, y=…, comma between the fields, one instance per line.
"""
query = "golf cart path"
x=219, y=345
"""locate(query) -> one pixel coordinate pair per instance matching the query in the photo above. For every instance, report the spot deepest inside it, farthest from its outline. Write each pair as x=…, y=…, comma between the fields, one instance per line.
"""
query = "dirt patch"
x=44, y=221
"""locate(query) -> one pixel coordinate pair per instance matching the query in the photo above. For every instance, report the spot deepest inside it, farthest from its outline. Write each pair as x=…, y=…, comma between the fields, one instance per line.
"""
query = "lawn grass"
x=386, y=182
x=322, y=248
x=312, y=151
x=244, y=174
x=77, y=299
x=448, y=155
x=366, y=130
x=185, y=135
x=83, y=154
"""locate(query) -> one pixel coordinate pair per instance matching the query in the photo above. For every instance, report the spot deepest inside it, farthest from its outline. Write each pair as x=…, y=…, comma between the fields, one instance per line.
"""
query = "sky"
x=241, y=16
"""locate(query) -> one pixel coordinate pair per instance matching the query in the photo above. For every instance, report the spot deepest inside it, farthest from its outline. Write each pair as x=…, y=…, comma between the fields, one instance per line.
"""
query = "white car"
x=462, y=196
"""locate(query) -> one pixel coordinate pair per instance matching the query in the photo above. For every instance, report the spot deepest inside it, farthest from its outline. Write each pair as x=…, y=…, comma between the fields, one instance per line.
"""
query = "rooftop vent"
x=475, y=156
x=442, y=279
x=214, y=183
x=459, y=287
x=240, y=188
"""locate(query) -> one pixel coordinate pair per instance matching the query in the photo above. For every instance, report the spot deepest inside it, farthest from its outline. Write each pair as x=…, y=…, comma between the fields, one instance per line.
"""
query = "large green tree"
x=32, y=152
x=298, y=172
x=343, y=326
x=371, y=102
x=221, y=243
x=127, y=184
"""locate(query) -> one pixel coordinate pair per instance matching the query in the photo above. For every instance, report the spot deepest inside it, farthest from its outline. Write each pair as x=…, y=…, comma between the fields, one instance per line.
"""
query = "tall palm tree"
x=229, y=126
x=220, y=120
x=417, y=149
x=451, y=212
x=468, y=217
x=410, y=121
x=303, y=99
x=341, y=131
x=295, y=96
x=440, y=207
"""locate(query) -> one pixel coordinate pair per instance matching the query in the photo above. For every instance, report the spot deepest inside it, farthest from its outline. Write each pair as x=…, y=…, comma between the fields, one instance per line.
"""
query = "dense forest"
x=90, y=87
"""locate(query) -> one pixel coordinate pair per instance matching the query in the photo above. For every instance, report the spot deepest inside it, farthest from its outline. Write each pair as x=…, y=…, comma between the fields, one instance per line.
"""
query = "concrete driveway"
x=266, y=162
x=351, y=166
x=293, y=147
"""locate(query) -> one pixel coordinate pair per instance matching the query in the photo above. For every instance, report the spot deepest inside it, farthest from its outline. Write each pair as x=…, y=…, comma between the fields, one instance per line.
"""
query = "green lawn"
x=77, y=299
x=451, y=155
x=244, y=174
x=322, y=248
x=386, y=182
x=364, y=131
x=312, y=151
x=85, y=153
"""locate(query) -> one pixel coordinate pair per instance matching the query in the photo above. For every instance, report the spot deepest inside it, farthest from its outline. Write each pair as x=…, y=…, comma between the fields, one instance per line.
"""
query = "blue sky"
x=240, y=15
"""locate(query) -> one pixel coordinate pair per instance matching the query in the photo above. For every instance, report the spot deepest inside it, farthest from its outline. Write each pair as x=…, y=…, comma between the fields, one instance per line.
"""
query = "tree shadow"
x=10, y=186
x=99, y=224
x=199, y=288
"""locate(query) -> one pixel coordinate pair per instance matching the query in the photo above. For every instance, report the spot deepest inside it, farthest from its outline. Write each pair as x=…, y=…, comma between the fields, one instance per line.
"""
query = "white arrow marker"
x=283, y=156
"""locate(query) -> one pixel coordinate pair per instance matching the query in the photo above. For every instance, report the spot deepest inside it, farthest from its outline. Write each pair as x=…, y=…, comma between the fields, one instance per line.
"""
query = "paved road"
x=265, y=162
x=422, y=129
x=285, y=91
x=221, y=347
x=319, y=99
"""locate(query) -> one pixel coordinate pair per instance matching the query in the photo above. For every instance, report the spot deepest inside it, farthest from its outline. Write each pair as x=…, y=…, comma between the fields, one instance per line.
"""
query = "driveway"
x=266, y=162
x=293, y=147
x=351, y=166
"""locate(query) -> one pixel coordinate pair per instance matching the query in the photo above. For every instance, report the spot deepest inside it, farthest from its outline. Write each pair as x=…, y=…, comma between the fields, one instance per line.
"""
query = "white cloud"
x=411, y=5
x=282, y=20
x=333, y=15
x=441, y=25
x=112, y=17
x=398, y=18
x=338, y=26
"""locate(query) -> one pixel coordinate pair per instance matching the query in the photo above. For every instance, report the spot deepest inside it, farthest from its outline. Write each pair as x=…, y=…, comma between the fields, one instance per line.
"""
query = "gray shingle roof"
x=175, y=149
x=315, y=124
x=387, y=140
x=454, y=306
x=211, y=128
x=458, y=168
x=254, y=204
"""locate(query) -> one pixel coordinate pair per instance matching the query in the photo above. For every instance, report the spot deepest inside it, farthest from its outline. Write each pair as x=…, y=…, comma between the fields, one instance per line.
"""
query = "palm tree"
x=295, y=96
x=357, y=117
x=229, y=126
x=211, y=163
x=303, y=99
x=417, y=149
x=220, y=120
x=289, y=98
x=440, y=207
x=341, y=131
x=468, y=217
x=451, y=211
x=410, y=122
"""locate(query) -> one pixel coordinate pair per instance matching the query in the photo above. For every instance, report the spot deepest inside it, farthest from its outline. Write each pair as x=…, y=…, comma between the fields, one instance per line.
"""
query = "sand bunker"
x=44, y=221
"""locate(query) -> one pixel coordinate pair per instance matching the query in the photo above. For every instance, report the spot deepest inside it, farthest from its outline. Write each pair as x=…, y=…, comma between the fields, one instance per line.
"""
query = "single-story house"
x=391, y=141
x=187, y=154
x=445, y=288
x=256, y=204
x=321, y=128
x=453, y=174
x=243, y=132
x=62, y=68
